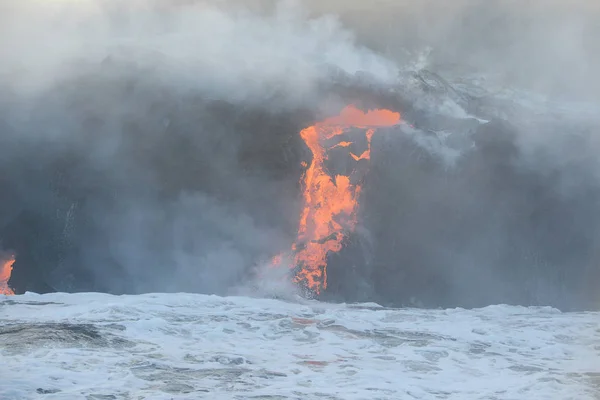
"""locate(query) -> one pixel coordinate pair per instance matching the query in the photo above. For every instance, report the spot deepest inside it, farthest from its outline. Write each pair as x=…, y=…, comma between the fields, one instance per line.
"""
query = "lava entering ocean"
x=5, y=272
x=330, y=201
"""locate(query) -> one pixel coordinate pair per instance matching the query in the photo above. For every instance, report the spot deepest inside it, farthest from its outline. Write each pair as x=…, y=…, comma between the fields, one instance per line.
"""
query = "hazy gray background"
x=152, y=145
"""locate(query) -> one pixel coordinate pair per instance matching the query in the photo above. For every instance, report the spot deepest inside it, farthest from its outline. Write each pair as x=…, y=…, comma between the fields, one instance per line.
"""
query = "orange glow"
x=276, y=260
x=330, y=202
x=5, y=272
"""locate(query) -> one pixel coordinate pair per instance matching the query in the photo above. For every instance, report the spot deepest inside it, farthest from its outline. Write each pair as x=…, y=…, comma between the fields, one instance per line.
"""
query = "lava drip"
x=5, y=272
x=330, y=201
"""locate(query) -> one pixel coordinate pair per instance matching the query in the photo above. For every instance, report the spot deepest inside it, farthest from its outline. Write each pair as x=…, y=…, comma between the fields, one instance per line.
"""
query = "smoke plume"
x=154, y=145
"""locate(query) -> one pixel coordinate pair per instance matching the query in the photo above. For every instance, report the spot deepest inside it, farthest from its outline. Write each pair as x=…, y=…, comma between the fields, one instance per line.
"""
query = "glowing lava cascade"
x=5, y=272
x=330, y=201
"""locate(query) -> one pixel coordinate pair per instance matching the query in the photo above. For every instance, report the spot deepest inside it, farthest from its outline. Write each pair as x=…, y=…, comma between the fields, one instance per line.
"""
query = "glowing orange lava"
x=330, y=201
x=5, y=272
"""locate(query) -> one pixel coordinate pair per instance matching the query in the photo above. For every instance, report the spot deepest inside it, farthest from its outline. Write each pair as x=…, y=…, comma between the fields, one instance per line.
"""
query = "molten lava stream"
x=330, y=201
x=5, y=272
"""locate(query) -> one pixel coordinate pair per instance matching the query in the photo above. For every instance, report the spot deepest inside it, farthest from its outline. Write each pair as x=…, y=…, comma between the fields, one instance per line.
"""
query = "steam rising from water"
x=236, y=55
x=153, y=142
x=121, y=101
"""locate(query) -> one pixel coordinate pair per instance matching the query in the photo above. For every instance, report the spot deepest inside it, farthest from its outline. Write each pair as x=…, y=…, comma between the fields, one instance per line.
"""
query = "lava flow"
x=330, y=201
x=5, y=272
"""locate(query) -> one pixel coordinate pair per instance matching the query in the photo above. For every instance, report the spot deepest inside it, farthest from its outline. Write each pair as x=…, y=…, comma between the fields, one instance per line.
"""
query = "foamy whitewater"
x=184, y=346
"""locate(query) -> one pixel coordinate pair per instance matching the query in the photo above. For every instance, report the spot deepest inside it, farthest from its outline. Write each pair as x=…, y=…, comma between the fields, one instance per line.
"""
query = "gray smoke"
x=145, y=114
x=153, y=145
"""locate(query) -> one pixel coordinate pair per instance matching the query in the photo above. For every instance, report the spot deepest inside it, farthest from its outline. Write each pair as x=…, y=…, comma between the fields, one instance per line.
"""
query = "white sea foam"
x=184, y=346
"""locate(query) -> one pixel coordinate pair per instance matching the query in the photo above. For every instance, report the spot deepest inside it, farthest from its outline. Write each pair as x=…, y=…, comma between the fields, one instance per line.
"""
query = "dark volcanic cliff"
x=163, y=190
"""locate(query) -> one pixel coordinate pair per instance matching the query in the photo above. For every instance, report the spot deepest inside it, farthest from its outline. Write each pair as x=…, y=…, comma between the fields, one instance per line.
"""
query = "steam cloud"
x=153, y=145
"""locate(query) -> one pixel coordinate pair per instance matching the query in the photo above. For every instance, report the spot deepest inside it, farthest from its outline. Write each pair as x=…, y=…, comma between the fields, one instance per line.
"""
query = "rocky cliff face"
x=161, y=191
x=145, y=150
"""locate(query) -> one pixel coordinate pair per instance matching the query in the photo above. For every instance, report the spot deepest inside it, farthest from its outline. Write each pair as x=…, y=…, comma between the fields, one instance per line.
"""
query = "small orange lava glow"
x=276, y=260
x=330, y=201
x=5, y=272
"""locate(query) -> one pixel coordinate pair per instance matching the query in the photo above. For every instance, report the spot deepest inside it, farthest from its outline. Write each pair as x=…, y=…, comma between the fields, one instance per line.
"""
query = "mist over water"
x=154, y=146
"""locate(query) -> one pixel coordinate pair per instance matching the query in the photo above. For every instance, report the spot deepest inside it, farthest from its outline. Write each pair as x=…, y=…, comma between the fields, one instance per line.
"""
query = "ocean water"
x=188, y=346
